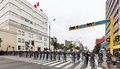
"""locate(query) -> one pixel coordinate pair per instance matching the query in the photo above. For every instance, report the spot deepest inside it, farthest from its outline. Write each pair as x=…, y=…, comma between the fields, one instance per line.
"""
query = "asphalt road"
x=13, y=62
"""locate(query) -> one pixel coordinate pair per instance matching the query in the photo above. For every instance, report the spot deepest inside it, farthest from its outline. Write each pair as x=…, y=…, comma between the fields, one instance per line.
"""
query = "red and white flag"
x=36, y=5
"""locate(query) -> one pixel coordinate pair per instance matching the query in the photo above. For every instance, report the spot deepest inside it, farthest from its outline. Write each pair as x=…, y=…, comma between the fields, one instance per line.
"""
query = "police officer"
x=51, y=55
x=100, y=59
x=54, y=54
x=64, y=56
x=78, y=56
x=59, y=54
x=109, y=60
x=92, y=60
x=117, y=55
x=86, y=58
x=47, y=54
x=41, y=54
x=73, y=56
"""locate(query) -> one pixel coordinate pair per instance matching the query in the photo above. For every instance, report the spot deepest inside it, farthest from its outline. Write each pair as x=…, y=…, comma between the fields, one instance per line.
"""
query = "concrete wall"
x=8, y=38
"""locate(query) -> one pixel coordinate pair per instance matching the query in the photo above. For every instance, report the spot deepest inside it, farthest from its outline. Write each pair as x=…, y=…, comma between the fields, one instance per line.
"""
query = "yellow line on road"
x=105, y=66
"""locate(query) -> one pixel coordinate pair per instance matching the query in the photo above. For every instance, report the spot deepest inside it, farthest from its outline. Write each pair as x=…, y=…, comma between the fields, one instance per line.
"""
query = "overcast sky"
x=74, y=12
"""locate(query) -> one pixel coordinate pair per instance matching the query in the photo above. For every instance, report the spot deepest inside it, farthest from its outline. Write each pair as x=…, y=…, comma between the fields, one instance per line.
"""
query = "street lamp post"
x=49, y=31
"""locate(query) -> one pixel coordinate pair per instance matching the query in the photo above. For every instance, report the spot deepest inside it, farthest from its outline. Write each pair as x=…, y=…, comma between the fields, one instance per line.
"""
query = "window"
x=19, y=32
x=45, y=39
x=23, y=40
x=45, y=44
x=40, y=38
x=19, y=40
x=22, y=47
x=31, y=35
x=23, y=33
x=19, y=47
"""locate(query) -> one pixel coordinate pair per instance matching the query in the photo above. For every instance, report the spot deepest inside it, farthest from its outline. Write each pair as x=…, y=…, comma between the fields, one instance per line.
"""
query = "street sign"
x=89, y=25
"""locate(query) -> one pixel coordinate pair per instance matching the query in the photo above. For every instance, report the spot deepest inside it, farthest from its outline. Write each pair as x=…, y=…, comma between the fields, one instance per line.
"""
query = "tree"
x=0, y=42
x=96, y=49
x=60, y=46
x=54, y=43
x=45, y=49
x=27, y=45
x=77, y=47
x=70, y=46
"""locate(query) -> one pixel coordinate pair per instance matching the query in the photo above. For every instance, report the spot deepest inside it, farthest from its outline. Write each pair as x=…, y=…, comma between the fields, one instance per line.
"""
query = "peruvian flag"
x=36, y=5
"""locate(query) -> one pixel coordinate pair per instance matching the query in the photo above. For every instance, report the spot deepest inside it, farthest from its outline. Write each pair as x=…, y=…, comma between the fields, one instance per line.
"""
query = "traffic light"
x=117, y=38
x=32, y=43
x=108, y=39
x=90, y=24
x=74, y=27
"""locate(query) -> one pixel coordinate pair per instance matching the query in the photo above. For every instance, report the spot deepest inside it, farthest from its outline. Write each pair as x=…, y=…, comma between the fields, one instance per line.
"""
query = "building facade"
x=29, y=23
x=8, y=40
x=67, y=43
x=112, y=9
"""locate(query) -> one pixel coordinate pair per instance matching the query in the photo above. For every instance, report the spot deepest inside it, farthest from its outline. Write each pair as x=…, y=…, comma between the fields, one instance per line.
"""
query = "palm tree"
x=54, y=43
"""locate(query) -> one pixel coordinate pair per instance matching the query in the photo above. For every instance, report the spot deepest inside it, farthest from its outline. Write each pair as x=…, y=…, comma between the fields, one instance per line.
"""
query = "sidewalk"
x=105, y=64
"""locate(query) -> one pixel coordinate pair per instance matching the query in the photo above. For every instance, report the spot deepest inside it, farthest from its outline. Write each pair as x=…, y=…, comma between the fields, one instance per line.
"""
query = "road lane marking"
x=55, y=63
x=63, y=64
x=50, y=62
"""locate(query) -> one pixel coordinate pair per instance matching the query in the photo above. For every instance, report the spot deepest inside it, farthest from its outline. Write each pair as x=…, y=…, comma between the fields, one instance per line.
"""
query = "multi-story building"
x=27, y=22
x=67, y=43
x=112, y=9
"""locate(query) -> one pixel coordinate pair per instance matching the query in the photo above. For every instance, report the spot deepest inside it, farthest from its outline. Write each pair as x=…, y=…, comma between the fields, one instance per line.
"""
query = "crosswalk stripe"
x=55, y=63
x=49, y=63
x=99, y=68
x=63, y=64
x=96, y=62
x=78, y=66
x=38, y=63
x=88, y=66
x=68, y=66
